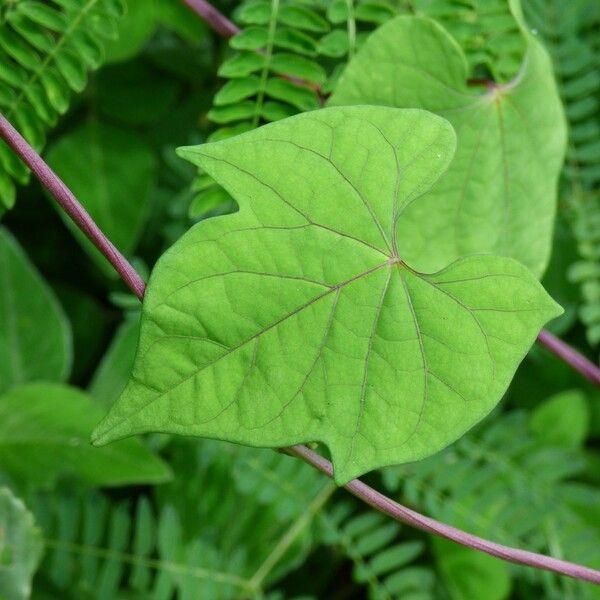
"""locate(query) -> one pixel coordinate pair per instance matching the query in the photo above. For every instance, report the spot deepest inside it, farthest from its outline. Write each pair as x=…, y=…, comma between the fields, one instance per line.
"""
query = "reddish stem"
x=405, y=515
x=571, y=356
x=372, y=497
x=217, y=21
x=63, y=195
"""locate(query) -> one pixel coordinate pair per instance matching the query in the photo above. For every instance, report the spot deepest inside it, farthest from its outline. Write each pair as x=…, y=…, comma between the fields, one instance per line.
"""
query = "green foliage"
x=286, y=56
x=318, y=262
x=229, y=540
x=20, y=547
x=562, y=420
x=46, y=51
x=572, y=40
x=499, y=195
x=236, y=522
x=504, y=484
x=383, y=562
x=35, y=335
x=485, y=30
x=471, y=574
x=90, y=160
x=586, y=271
x=44, y=433
x=112, y=373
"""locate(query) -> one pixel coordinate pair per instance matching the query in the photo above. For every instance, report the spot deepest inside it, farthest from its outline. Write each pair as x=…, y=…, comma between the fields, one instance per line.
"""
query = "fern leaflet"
x=46, y=50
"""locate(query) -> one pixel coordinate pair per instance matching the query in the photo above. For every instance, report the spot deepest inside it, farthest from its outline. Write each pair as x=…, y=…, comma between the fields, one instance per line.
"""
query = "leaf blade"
x=324, y=339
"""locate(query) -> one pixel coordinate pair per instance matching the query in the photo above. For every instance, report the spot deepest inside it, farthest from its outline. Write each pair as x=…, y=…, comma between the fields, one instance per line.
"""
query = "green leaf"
x=334, y=44
x=211, y=202
x=563, y=419
x=134, y=31
x=35, y=334
x=296, y=319
x=301, y=17
x=115, y=368
x=300, y=97
x=242, y=65
x=20, y=547
x=470, y=574
x=298, y=66
x=256, y=13
x=111, y=171
x=500, y=194
x=251, y=38
x=44, y=434
x=237, y=89
x=176, y=17
x=245, y=109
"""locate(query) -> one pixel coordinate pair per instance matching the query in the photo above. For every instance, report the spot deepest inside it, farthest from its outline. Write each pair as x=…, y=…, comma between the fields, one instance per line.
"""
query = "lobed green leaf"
x=298, y=319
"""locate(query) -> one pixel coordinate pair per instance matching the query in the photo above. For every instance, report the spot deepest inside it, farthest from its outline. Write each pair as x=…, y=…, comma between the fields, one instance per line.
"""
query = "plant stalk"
x=63, y=195
x=572, y=357
x=50, y=180
x=216, y=20
x=401, y=513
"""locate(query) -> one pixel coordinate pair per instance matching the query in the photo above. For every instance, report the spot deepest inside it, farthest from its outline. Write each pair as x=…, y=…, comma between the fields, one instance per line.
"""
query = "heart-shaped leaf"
x=297, y=319
x=500, y=193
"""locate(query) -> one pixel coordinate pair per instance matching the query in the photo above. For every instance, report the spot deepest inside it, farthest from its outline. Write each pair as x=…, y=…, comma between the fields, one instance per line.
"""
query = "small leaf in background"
x=134, y=30
x=20, y=547
x=500, y=194
x=35, y=334
x=469, y=574
x=562, y=420
x=112, y=173
x=296, y=319
x=44, y=434
x=115, y=368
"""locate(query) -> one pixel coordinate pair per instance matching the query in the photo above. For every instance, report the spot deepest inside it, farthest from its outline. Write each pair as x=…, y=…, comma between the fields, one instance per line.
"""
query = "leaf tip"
x=104, y=433
x=189, y=153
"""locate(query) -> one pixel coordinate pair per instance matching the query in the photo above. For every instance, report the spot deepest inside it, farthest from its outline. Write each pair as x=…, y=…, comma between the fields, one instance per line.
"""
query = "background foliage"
x=108, y=89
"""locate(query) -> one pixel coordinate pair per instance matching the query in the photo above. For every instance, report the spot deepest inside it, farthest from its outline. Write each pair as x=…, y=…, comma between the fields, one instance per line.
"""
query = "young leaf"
x=44, y=433
x=20, y=547
x=35, y=334
x=297, y=318
x=500, y=194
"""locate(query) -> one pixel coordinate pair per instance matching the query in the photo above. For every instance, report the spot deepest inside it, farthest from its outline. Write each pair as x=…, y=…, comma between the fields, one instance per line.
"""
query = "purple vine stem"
x=569, y=355
x=50, y=180
x=403, y=514
x=63, y=195
x=213, y=18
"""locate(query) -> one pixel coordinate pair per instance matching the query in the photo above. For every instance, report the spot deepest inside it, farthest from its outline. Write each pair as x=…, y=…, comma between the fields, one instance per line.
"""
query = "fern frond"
x=383, y=562
x=287, y=55
x=586, y=272
x=486, y=31
x=502, y=483
x=46, y=51
x=232, y=524
x=572, y=40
